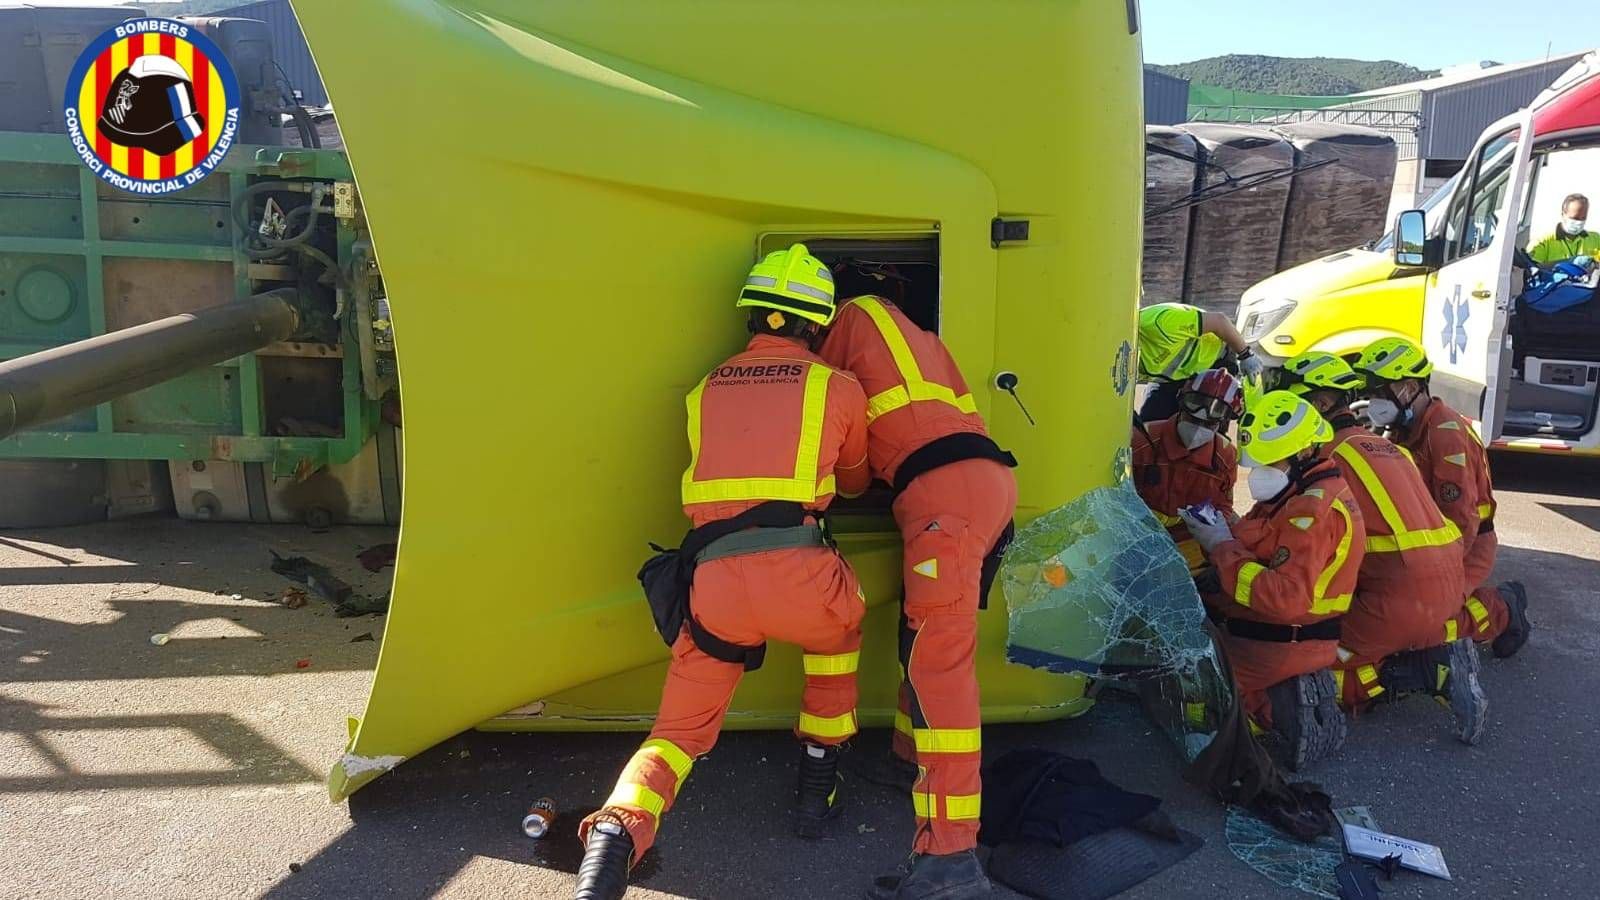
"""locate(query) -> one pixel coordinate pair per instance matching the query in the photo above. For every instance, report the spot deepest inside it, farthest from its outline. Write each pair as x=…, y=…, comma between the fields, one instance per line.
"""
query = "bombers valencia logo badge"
x=152, y=106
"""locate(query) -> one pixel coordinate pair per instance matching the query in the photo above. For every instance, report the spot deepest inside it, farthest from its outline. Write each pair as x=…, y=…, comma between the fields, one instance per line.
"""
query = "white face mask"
x=1194, y=435
x=1266, y=482
x=1383, y=412
x=1573, y=226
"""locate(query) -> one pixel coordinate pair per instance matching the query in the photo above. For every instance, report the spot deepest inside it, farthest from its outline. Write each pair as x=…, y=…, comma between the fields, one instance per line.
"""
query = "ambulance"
x=1451, y=276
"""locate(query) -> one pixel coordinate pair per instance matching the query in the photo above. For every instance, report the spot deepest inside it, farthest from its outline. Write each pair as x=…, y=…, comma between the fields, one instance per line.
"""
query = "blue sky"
x=1428, y=34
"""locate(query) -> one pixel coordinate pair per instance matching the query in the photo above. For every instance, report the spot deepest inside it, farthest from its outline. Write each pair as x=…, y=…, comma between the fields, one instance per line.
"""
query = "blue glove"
x=1250, y=367
x=1585, y=263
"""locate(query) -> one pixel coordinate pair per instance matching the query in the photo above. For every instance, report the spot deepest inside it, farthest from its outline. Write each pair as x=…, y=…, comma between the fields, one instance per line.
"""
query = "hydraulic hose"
x=50, y=384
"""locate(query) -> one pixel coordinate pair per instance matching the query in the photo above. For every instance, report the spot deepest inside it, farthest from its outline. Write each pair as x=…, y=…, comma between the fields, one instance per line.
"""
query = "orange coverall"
x=772, y=423
x=1411, y=578
x=1456, y=468
x=950, y=517
x=1170, y=476
x=1291, y=562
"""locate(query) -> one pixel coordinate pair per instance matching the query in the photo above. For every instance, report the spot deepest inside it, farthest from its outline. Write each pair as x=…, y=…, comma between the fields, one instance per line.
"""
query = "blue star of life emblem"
x=1454, y=335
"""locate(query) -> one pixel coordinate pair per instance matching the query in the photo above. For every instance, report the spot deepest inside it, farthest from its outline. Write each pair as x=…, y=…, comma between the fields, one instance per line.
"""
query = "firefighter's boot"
x=949, y=876
x=1518, y=626
x=1306, y=715
x=816, y=796
x=603, y=874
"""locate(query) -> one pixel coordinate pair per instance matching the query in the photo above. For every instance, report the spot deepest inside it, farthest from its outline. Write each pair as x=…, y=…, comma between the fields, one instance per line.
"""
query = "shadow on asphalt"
x=55, y=744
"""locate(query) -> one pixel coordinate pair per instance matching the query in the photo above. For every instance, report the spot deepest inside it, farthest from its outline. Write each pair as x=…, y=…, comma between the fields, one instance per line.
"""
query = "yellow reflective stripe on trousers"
x=1369, y=680
x=1320, y=603
x=962, y=806
x=637, y=796
x=1480, y=613
x=957, y=807
x=1402, y=537
x=902, y=723
x=837, y=664
x=914, y=387
x=802, y=487
x=948, y=740
x=1338, y=682
x=671, y=754
x=834, y=727
x=1247, y=578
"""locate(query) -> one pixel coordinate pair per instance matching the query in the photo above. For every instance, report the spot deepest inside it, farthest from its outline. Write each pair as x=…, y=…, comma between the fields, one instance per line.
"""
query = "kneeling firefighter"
x=1455, y=465
x=954, y=501
x=1411, y=579
x=1187, y=460
x=774, y=433
x=1285, y=574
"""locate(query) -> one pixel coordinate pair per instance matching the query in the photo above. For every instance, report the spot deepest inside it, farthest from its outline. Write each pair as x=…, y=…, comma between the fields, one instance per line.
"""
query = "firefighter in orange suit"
x=1284, y=576
x=773, y=432
x=1411, y=579
x=955, y=497
x=1187, y=460
x=1456, y=466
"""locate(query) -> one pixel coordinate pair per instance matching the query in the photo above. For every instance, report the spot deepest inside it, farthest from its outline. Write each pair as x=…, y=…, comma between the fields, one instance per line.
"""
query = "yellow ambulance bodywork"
x=565, y=197
x=1340, y=303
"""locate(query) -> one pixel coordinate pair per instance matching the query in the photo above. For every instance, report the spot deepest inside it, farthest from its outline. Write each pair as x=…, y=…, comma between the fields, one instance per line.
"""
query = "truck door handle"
x=1482, y=294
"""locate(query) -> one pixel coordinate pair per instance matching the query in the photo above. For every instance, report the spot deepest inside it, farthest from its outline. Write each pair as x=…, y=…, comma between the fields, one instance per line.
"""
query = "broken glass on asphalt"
x=1097, y=587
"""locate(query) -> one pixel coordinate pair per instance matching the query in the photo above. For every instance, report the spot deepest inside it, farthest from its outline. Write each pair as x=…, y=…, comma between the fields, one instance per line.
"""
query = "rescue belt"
x=954, y=448
x=1249, y=629
x=668, y=575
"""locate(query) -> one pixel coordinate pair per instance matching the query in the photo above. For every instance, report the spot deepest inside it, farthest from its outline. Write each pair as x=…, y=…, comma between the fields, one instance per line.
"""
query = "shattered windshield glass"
x=1097, y=587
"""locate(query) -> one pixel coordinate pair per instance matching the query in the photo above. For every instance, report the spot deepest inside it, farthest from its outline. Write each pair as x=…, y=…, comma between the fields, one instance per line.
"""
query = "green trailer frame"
x=52, y=206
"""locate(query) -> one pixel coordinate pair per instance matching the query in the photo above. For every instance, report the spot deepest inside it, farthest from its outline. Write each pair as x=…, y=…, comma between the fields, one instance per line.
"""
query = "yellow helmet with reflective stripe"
x=1394, y=358
x=1277, y=426
x=1315, y=370
x=791, y=281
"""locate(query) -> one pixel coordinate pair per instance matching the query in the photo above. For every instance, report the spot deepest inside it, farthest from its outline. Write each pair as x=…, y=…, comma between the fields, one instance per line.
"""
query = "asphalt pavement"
x=195, y=768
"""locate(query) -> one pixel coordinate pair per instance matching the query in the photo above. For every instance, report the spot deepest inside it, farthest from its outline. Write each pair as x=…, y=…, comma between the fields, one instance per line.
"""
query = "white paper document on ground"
x=1365, y=843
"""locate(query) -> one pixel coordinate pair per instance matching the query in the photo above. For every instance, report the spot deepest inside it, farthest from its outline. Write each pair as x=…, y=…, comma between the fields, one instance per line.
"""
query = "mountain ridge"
x=1318, y=76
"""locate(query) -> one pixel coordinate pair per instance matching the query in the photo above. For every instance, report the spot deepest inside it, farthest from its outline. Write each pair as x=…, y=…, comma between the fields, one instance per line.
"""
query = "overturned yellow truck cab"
x=565, y=197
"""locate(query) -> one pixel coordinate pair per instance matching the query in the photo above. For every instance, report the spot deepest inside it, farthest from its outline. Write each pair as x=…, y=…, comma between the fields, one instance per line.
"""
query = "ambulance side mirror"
x=1411, y=239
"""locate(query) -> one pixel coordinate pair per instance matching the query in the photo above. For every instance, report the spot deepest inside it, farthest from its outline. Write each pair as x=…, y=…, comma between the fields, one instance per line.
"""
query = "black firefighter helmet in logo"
x=150, y=106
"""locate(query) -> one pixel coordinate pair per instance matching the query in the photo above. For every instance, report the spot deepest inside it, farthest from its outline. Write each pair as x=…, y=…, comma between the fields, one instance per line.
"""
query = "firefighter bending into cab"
x=1284, y=576
x=1187, y=460
x=774, y=434
x=1455, y=465
x=954, y=500
x=1411, y=581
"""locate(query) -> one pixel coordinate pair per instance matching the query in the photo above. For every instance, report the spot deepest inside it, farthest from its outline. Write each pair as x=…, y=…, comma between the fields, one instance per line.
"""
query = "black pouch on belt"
x=667, y=576
x=666, y=584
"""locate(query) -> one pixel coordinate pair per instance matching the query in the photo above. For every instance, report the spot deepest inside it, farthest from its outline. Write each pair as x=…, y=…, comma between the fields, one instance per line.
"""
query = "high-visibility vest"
x=766, y=419
x=1172, y=346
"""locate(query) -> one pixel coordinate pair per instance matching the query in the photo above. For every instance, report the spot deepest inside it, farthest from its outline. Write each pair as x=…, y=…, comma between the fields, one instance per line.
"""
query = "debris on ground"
x=358, y=605
x=302, y=663
x=1369, y=844
x=160, y=638
x=376, y=557
x=364, y=636
x=293, y=598
x=328, y=586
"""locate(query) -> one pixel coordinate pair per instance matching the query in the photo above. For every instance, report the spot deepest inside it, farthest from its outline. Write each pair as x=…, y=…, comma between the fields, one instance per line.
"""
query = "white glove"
x=1250, y=367
x=1583, y=262
x=1207, y=534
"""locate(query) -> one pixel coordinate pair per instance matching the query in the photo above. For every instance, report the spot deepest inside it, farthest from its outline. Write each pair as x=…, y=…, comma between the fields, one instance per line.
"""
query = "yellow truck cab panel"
x=565, y=197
